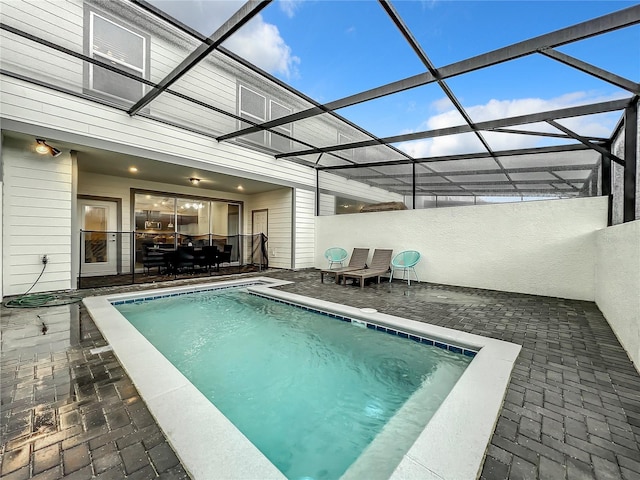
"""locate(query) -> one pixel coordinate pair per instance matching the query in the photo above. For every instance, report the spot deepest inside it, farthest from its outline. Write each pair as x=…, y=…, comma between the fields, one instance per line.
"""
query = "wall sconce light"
x=43, y=148
x=194, y=181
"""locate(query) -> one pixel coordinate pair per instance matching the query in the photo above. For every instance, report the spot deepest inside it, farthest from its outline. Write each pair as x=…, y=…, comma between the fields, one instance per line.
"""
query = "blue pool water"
x=311, y=392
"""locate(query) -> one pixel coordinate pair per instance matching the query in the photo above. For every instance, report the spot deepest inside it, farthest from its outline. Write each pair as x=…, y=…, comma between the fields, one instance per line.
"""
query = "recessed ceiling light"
x=240, y=187
x=194, y=181
x=133, y=169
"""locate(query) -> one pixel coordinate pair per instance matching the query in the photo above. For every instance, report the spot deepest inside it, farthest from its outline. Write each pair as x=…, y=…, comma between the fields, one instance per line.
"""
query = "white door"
x=99, y=241
x=259, y=224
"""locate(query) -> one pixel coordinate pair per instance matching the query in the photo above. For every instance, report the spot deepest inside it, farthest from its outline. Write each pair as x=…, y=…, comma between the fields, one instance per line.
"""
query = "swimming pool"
x=310, y=391
x=451, y=445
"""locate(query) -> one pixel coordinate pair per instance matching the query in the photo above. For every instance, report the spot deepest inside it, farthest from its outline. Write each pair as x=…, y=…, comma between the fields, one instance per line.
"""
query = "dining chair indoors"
x=405, y=261
x=335, y=255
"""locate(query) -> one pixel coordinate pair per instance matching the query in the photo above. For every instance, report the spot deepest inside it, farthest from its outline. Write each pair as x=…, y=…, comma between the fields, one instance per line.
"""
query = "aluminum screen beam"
x=545, y=134
x=586, y=142
x=597, y=26
x=585, y=166
x=610, y=106
x=408, y=36
x=592, y=70
x=631, y=157
x=238, y=19
x=463, y=156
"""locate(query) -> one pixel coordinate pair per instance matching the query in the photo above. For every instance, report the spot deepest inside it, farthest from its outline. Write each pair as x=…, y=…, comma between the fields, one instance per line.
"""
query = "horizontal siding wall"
x=37, y=210
x=278, y=203
x=327, y=204
x=80, y=120
x=541, y=248
x=305, y=229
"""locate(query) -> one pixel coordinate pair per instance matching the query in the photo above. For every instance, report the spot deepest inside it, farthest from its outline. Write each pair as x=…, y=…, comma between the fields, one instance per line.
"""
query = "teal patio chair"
x=405, y=261
x=335, y=255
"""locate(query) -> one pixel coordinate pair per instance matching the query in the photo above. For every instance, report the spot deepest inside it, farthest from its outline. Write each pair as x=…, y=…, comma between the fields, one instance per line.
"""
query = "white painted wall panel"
x=541, y=248
x=304, y=228
x=618, y=283
x=34, y=224
x=279, y=204
x=327, y=204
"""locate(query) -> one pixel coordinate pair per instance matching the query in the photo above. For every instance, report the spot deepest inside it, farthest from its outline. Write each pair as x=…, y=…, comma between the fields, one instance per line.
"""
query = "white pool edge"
x=451, y=447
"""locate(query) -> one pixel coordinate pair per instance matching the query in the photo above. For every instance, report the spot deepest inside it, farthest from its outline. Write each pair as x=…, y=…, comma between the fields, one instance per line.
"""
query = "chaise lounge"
x=357, y=261
x=379, y=266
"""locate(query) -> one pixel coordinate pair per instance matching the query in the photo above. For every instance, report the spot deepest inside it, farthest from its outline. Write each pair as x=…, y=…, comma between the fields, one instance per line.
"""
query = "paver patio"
x=572, y=410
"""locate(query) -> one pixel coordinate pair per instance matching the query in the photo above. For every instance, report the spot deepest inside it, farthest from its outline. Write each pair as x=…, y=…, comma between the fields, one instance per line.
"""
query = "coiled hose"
x=40, y=299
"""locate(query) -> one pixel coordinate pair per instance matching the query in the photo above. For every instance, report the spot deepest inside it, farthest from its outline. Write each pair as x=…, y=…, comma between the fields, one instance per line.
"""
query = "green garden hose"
x=40, y=299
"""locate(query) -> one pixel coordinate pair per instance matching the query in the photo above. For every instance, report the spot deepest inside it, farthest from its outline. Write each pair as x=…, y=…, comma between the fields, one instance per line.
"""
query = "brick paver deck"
x=572, y=410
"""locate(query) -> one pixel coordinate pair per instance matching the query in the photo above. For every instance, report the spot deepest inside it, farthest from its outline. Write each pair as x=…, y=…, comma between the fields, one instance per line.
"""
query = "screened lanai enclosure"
x=188, y=64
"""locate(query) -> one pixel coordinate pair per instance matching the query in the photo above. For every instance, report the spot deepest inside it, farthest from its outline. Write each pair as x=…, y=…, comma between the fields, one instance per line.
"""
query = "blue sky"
x=331, y=49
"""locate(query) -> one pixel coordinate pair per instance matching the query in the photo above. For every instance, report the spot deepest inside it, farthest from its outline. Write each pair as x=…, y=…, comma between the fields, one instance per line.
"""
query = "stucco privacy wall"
x=541, y=248
x=618, y=283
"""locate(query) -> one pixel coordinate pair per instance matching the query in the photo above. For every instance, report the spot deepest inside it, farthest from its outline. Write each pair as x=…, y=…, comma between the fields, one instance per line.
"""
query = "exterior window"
x=253, y=106
x=277, y=142
x=123, y=48
x=342, y=139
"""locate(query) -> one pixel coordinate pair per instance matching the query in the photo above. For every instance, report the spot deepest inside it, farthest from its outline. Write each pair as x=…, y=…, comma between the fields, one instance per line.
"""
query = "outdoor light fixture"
x=194, y=181
x=43, y=148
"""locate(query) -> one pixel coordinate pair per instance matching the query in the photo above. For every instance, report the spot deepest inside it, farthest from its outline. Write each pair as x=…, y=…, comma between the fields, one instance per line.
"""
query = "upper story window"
x=253, y=106
x=278, y=110
x=111, y=41
x=342, y=140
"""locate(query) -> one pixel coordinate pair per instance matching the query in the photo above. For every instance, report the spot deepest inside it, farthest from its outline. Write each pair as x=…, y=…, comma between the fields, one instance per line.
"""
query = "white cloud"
x=600, y=126
x=289, y=7
x=258, y=41
x=261, y=44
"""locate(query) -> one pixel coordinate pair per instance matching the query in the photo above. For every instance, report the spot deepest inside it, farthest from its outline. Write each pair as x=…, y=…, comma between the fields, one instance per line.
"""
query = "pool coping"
x=451, y=446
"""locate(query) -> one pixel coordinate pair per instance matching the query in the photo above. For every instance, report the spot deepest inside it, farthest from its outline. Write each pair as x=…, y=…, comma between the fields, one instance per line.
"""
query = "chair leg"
x=391, y=276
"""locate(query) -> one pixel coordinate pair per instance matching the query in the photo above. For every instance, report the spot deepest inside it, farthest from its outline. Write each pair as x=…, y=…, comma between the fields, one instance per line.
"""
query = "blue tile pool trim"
x=374, y=326
x=185, y=292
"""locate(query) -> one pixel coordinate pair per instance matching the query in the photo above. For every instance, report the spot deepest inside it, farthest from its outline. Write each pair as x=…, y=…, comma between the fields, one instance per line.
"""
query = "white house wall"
x=279, y=205
x=541, y=248
x=305, y=229
x=37, y=203
x=618, y=283
x=327, y=204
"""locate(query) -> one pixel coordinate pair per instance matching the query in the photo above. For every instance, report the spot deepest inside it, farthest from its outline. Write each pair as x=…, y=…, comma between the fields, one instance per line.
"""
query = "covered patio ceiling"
x=543, y=148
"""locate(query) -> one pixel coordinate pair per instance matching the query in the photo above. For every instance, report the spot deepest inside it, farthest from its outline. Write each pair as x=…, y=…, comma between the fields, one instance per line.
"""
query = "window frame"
x=287, y=128
x=89, y=15
x=342, y=140
x=242, y=113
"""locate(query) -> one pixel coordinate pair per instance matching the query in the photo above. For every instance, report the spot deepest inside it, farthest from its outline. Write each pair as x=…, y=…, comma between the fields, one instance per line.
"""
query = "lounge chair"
x=357, y=261
x=379, y=266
